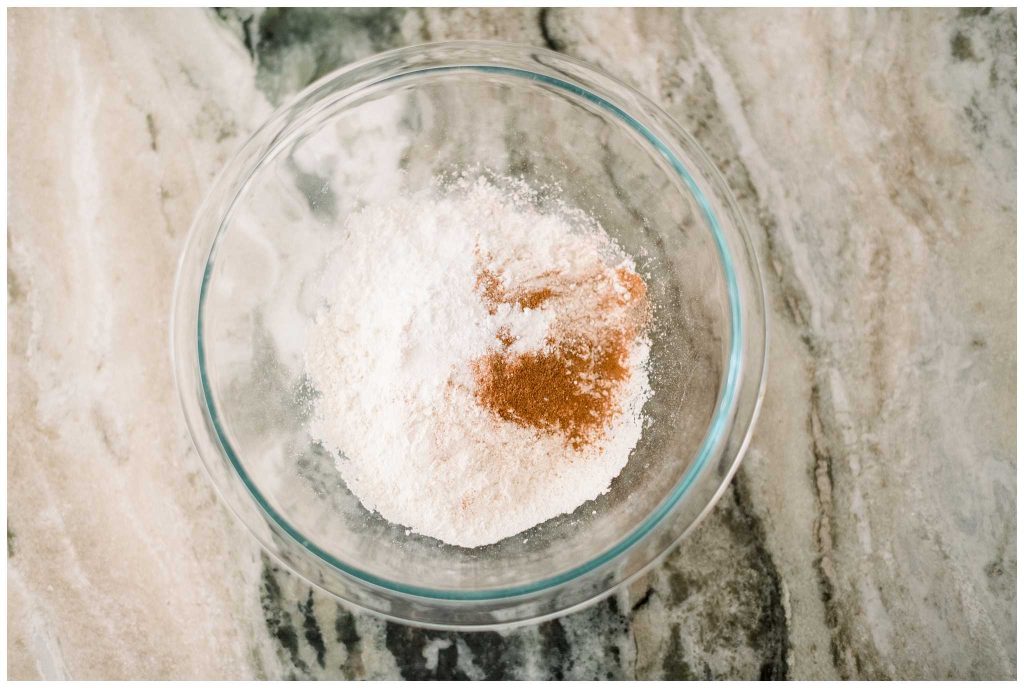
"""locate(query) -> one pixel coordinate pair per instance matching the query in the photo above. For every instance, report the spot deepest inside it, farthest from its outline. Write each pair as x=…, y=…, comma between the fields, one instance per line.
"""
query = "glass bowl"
x=389, y=125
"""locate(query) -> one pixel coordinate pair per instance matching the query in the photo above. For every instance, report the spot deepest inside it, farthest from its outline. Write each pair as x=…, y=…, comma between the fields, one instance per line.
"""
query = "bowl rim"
x=726, y=401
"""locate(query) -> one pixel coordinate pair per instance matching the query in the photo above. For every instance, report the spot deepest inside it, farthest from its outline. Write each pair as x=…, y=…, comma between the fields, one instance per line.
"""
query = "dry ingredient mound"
x=481, y=365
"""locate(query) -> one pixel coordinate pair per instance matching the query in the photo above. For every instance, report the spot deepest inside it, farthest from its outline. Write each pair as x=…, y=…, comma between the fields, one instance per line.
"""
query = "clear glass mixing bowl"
x=387, y=126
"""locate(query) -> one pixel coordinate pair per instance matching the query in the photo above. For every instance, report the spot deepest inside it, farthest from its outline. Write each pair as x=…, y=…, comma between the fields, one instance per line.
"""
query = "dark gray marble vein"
x=713, y=610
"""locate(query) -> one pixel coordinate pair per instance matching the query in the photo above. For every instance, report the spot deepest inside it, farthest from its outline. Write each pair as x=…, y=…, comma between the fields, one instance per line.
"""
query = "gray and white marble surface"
x=871, y=531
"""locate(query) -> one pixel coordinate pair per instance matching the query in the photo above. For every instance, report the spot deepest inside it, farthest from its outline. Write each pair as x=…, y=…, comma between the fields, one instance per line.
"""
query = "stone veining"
x=871, y=531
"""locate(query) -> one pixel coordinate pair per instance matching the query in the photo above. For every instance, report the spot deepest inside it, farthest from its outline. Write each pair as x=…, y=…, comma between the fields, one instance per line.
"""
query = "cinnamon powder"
x=493, y=293
x=571, y=386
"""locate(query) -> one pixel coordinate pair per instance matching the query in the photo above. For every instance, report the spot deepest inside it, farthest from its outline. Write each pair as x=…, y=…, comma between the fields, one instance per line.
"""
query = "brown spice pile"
x=572, y=385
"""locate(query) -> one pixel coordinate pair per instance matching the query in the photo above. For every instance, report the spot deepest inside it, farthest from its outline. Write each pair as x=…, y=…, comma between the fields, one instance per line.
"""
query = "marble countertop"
x=871, y=530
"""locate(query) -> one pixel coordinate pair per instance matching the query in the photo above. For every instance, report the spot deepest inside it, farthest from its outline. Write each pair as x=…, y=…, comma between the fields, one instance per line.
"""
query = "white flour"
x=390, y=354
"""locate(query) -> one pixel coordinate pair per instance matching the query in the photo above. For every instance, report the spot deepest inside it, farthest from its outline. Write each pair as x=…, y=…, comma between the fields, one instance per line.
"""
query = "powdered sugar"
x=391, y=354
